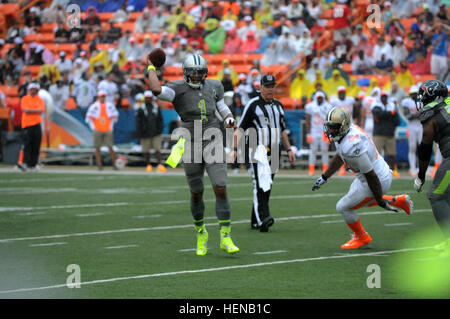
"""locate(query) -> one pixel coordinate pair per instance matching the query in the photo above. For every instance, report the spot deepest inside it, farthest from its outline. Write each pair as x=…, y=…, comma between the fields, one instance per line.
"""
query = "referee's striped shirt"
x=266, y=117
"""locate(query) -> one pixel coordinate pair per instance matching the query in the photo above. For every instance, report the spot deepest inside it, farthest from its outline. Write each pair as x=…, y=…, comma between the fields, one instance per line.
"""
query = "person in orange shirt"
x=32, y=107
x=101, y=117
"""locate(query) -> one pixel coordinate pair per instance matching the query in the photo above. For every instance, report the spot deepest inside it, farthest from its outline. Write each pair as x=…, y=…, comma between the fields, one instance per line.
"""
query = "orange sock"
x=20, y=161
x=357, y=228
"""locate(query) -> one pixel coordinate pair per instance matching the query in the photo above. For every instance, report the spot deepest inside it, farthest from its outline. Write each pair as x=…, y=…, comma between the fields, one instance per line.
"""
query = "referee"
x=265, y=116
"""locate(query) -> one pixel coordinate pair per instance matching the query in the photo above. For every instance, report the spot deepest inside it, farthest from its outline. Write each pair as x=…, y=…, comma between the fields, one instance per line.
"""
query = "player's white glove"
x=418, y=183
x=319, y=182
x=230, y=122
x=385, y=204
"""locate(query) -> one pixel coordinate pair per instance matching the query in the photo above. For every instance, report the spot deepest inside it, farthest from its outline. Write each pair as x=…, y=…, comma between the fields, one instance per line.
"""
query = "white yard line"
x=120, y=247
x=31, y=213
x=48, y=244
x=270, y=252
x=398, y=224
x=90, y=214
x=183, y=272
x=126, y=230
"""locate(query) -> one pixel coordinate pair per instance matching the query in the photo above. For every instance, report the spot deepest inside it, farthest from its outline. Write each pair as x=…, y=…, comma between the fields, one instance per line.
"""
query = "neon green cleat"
x=226, y=244
x=443, y=245
x=445, y=253
x=202, y=240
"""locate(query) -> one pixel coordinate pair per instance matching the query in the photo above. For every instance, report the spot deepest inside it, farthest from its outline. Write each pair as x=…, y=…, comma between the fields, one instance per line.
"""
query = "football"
x=157, y=57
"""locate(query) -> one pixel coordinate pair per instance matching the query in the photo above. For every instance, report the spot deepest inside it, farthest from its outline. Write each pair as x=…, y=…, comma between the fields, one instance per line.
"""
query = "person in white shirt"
x=342, y=100
x=373, y=179
x=399, y=51
x=63, y=64
x=316, y=112
x=362, y=64
x=248, y=26
x=415, y=128
x=295, y=10
x=134, y=50
x=143, y=23
x=84, y=92
x=366, y=112
x=109, y=87
x=60, y=94
x=382, y=47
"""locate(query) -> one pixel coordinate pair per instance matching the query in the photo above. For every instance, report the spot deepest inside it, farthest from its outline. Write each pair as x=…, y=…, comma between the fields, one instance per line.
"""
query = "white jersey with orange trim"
x=346, y=103
x=355, y=144
x=318, y=114
x=367, y=103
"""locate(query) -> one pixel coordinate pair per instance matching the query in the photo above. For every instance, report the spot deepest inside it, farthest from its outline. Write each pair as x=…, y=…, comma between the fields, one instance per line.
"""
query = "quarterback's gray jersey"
x=196, y=104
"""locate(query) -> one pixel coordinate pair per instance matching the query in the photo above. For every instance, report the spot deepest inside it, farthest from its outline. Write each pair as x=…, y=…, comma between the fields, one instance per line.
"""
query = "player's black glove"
x=385, y=204
x=319, y=182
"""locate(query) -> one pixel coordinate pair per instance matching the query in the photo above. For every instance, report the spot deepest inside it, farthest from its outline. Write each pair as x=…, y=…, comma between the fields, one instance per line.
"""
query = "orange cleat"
x=312, y=170
x=404, y=202
x=396, y=174
x=161, y=169
x=149, y=168
x=357, y=241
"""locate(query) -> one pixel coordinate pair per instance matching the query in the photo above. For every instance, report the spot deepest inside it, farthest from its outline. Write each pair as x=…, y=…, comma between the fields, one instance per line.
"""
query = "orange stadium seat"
x=71, y=104
x=10, y=91
x=34, y=69
x=407, y=23
x=172, y=71
x=48, y=28
x=12, y=101
x=423, y=77
x=106, y=16
x=289, y=103
x=327, y=14
x=126, y=26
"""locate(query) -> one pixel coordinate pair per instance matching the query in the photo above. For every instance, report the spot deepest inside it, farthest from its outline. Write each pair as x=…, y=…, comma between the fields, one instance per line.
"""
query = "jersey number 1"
x=202, y=107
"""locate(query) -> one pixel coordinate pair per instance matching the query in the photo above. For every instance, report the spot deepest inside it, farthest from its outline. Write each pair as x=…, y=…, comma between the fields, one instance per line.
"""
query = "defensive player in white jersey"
x=414, y=127
x=373, y=177
x=316, y=111
x=346, y=102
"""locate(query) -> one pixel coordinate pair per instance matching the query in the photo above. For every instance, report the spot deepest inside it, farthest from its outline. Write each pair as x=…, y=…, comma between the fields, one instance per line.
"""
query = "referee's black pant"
x=32, y=145
x=260, y=209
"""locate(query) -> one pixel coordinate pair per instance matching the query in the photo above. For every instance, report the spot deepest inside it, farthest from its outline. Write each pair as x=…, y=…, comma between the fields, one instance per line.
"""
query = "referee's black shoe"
x=266, y=223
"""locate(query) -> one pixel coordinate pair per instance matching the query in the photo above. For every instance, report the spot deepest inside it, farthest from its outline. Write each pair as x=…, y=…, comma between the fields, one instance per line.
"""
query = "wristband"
x=151, y=67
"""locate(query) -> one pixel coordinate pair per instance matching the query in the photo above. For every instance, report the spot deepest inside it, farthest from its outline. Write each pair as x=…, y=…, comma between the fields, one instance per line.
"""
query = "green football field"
x=129, y=234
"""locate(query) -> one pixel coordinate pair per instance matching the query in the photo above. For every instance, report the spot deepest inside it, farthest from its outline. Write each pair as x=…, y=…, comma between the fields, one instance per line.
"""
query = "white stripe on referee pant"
x=255, y=196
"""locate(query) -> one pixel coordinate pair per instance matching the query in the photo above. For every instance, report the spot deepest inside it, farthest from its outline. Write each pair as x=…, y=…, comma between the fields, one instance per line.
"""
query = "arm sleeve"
x=167, y=94
x=361, y=162
x=223, y=108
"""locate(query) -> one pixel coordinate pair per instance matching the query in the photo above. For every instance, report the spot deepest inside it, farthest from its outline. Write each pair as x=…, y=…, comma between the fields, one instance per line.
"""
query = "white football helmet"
x=337, y=124
x=195, y=70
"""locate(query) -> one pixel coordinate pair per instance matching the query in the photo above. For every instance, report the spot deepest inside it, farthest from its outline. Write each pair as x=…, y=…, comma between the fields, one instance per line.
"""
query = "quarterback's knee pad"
x=196, y=185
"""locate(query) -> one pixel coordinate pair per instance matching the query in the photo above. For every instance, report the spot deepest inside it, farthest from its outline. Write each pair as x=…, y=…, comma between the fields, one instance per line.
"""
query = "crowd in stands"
x=411, y=39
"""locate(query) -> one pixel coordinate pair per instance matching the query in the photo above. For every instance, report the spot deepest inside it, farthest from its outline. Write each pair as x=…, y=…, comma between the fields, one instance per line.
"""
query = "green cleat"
x=443, y=245
x=202, y=240
x=226, y=244
x=444, y=248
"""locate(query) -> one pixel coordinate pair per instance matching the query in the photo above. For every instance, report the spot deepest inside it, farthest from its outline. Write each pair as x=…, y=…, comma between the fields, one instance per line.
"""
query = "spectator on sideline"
x=101, y=117
x=149, y=127
x=32, y=107
x=386, y=119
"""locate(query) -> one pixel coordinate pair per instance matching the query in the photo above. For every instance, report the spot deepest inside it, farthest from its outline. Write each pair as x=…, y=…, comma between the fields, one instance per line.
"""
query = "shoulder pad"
x=427, y=112
x=353, y=145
